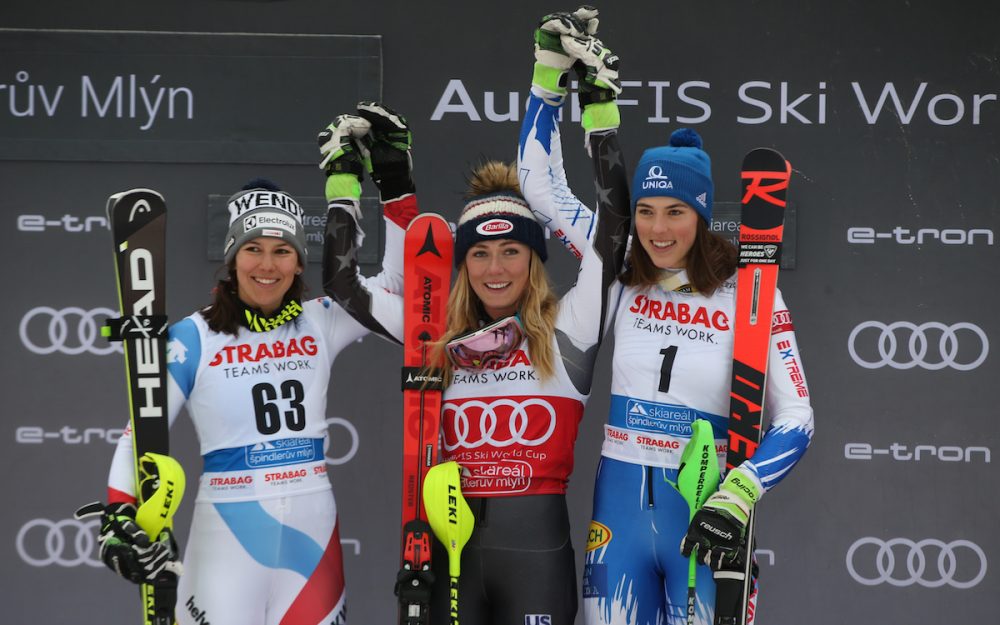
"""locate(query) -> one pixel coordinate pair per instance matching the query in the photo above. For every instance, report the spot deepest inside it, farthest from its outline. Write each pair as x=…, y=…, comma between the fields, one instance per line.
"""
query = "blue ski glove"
x=551, y=61
x=389, y=147
x=344, y=157
x=716, y=532
x=126, y=549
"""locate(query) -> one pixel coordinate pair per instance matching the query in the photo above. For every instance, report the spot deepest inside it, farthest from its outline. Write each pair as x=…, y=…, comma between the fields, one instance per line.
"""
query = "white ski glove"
x=552, y=62
x=344, y=157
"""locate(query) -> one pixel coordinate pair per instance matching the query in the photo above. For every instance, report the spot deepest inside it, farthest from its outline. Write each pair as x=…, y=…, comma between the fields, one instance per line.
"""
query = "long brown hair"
x=224, y=313
x=710, y=262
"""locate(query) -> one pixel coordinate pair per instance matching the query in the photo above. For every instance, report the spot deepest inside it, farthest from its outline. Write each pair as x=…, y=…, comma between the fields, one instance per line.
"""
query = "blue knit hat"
x=501, y=215
x=679, y=170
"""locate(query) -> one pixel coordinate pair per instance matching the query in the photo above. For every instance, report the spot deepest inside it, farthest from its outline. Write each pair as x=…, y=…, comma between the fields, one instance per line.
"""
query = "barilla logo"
x=655, y=179
x=265, y=199
x=493, y=227
x=598, y=536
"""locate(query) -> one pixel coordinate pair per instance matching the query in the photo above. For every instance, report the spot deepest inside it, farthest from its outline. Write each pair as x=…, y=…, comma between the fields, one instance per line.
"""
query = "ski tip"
x=426, y=216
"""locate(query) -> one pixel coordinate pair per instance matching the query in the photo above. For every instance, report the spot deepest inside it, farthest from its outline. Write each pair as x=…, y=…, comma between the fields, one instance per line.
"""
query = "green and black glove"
x=717, y=530
x=126, y=549
x=389, y=145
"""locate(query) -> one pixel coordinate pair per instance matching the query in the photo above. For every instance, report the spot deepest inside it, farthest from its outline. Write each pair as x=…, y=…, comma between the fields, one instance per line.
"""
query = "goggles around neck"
x=495, y=342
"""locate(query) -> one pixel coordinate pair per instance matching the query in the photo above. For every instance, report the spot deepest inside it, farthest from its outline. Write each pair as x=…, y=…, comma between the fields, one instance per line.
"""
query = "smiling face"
x=265, y=269
x=666, y=228
x=498, y=273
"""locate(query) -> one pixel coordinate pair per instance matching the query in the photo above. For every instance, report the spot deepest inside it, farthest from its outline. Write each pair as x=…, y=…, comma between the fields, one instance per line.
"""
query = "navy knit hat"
x=679, y=170
x=262, y=209
x=494, y=216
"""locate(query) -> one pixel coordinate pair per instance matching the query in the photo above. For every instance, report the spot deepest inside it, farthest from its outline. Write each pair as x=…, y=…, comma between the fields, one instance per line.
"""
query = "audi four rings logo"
x=42, y=542
x=904, y=345
x=70, y=330
x=516, y=418
x=960, y=563
x=352, y=432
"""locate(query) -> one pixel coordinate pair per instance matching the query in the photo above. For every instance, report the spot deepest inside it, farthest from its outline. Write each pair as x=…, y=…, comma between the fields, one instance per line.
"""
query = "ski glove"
x=344, y=156
x=716, y=532
x=388, y=146
x=599, y=62
x=551, y=61
x=126, y=549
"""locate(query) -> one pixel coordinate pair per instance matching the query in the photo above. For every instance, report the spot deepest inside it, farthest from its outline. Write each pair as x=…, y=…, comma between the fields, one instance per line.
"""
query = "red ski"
x=427, y=278
x=765, y=177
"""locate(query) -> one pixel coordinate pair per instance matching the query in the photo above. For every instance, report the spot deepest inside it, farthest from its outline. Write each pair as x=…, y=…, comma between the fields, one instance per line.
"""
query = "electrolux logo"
x=920, y=236
x=917, y=453
x=66, y=223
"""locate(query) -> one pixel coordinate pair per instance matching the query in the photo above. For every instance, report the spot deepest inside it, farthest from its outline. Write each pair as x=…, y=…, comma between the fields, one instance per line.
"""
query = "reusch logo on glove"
x=494, y=227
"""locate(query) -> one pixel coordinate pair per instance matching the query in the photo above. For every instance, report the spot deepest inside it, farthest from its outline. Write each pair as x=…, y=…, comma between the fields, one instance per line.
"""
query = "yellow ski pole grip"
x=157, y=511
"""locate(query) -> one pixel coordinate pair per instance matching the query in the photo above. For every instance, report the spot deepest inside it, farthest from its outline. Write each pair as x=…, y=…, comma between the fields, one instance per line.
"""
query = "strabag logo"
x=903, y=453
x=922, y=236
x=930, y=562
x=930, y=345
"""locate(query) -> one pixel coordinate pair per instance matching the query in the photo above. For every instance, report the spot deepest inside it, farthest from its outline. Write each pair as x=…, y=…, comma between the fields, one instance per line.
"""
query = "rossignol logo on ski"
x=757, y=187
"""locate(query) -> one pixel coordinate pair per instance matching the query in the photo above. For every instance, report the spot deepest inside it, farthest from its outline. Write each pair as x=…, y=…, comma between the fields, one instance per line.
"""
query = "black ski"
x=138, y=226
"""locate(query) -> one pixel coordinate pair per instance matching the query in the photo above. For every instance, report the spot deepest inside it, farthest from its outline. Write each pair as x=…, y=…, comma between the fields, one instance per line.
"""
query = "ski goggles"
x=486, y=345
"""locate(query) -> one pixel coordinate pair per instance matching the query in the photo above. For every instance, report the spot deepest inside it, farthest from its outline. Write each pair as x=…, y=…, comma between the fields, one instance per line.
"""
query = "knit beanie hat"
x=494, y=216
x=679, y=170
x=262, y=209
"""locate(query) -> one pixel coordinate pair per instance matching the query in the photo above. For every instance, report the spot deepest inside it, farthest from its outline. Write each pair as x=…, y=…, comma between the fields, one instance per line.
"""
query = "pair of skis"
x=765, y=175
x=138, y=226
x=432, y=498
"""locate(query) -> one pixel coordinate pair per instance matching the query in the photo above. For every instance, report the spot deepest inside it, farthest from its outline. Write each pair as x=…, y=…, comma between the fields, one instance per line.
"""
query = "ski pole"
x=450, y=518
x=697, y=479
